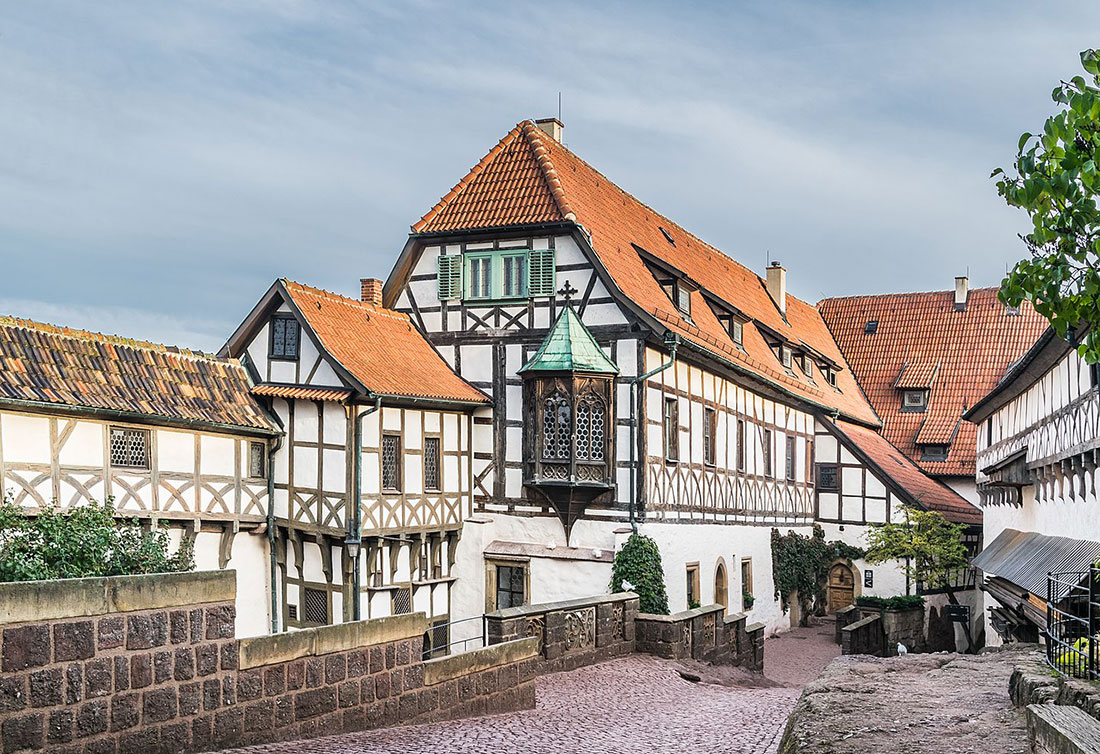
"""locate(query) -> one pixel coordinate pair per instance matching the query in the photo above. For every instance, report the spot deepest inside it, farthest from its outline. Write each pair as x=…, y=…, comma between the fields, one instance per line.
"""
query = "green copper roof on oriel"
x=570, y=347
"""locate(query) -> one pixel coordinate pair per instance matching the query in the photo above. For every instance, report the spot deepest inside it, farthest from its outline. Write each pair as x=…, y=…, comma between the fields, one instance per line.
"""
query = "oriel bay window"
x=569, y=422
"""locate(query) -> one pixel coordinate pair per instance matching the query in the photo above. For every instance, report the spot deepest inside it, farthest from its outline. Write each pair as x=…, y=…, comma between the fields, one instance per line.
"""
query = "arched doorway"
x=721, y=588
x=841, y=587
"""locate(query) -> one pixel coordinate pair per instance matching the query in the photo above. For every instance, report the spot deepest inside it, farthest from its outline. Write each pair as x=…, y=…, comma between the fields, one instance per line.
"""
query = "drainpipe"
x=271, y=451
x=355, y=536
x=672, y=340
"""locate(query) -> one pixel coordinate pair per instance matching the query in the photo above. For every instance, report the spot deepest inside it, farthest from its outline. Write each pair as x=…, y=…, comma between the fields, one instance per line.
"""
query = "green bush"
x=639, y=564
x=83, y=541
x=900, y=602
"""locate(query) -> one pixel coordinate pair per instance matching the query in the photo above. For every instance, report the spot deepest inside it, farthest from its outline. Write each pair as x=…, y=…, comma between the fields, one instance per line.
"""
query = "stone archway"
x=841, y=587
x=721, y=585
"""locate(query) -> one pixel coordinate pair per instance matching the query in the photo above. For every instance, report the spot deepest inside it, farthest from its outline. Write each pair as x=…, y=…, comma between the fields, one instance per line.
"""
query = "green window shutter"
x=449, y=270
x=541, y=273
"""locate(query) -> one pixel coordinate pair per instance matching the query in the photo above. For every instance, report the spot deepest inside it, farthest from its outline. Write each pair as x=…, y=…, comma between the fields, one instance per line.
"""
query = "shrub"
x=801, y=564
x=899, y=602
x=639, y=564
x=83, y=541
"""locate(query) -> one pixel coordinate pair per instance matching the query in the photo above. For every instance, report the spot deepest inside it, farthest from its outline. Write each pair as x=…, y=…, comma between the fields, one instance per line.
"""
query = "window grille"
x=292, y=612
x=768, y=472
x=401, y=601
x=790, y=458
x=827, y=478
x=391, y=462
x=515, y=275
x=672, y=429
x=449, y=276
x=590, y=430
x=130, y=448
x=257, y=460
x=316, y=606
x=710, y=431
x=555, y=428
x=284, y=338
x=511, y=586
x=914, y=400
x=541, y=273
x=440, y=638
x=431, y=464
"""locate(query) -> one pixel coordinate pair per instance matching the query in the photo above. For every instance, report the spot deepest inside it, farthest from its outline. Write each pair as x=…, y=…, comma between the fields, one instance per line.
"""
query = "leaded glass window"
x=316, y=606
x=590, y=430
x=130, y=448
x=511, y=586
x=391, y=462
x=257, y=460
x=284, y=338
x=481, y=277
x=556, y=427
x=515, y=275
x=431, y=464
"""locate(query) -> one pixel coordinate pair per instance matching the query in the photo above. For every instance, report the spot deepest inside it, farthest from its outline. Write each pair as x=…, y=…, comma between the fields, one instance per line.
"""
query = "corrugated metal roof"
x=1026, y=558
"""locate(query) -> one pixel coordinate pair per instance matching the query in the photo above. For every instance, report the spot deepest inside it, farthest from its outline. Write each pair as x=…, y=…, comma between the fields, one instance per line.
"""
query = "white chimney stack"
x=777, y=286
x=962, y=292
x=552, y=127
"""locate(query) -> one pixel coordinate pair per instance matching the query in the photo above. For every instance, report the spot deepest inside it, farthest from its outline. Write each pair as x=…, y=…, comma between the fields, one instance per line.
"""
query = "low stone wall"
x=149, y=664
x=570, y=634
x=856, y=630
x=585, y=631
x=863, y=637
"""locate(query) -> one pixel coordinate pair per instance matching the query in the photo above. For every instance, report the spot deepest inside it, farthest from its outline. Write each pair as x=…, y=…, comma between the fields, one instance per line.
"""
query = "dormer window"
x=935, y=453
x=285, y=336
x=737, y=331
x=914, y=400
x=683, y=300
x=871, y=327
x=830, y=376
x=785, y=357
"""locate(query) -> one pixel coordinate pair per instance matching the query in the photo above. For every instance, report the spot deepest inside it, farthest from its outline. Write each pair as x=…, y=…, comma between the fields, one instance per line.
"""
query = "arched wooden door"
x=841, y=587
x=721, y=588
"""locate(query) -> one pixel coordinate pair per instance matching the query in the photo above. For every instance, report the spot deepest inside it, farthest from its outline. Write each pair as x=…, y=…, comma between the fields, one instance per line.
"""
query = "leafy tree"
x=801, y=564
x=1056, y=182
x=83, y=541
x=931, y=548
x=638, y=564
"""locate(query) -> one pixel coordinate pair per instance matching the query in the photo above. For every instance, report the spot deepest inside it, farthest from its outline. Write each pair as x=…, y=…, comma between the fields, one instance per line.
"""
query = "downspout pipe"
x=272, y=449
x=355, y=520
x=672, y=340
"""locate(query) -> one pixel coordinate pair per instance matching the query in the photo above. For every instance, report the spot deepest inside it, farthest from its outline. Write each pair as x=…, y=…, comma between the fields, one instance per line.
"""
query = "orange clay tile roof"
x=380, y=347
x=271, y=390
x=917, y=375
x=972, y=348
x=50, y=365
x=927, y=492
x=529, y=178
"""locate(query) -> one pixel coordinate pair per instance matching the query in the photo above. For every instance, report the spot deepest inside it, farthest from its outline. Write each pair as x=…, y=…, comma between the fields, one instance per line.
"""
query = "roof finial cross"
x=567, y=291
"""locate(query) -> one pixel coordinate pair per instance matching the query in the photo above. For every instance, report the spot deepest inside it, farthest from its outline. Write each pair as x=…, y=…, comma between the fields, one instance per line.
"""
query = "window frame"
x=692, y=585
x=836, y=477
x=284, y=317
x=492, y=575
x=497, y=283
x=710, y=436
x=253, y=446
x=927, y=453
x=438, y=486
x=747, y=578
x=768, y=456
x=398, y=459
x=742, y=438
x=671, y=428
x=790, y=454
x=914, y=408
x=737, y=331
x=148, y=441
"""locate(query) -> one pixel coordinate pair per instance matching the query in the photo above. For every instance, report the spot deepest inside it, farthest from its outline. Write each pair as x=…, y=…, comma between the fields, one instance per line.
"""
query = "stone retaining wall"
x=149, y=664
x=705, y=634
x=865, y=629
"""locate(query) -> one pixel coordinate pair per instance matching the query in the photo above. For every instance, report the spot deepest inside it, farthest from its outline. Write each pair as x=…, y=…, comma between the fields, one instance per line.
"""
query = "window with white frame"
x=914, y=400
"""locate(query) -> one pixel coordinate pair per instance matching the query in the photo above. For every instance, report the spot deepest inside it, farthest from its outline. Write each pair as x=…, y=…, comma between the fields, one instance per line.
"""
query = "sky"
x=163, y=162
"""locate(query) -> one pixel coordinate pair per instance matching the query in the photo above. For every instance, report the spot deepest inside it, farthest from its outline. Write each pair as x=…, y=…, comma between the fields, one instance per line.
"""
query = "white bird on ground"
x=902, y=649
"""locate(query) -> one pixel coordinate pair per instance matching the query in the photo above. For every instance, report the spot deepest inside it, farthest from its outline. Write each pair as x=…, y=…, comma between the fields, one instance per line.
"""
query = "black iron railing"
x=1073, y=623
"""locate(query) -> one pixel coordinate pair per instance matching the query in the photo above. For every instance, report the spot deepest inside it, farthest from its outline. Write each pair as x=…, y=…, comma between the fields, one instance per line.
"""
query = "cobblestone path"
x=635, y=704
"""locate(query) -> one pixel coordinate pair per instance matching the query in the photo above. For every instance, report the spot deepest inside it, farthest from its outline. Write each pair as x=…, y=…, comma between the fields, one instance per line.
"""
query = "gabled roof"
x=971, y=349
x=911, y=484
x=570, y=347
x=379, y=348
x=531, y=179
x=131, y=379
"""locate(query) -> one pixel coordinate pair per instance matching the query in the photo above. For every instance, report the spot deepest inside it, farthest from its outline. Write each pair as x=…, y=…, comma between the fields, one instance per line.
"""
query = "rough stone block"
x=348, y=694
x=59, y=729
x=230, y=655
x=13, y=693
x=141, y=670
x=74, y=683
x=25, y=647
x=125, y=711
x=25, y=732
x=315, y=672
x=190, y=699
x=259, y=716
x=162, y=666
x=98, y=677
x=358, y=663
x=111, y=632
x=250, y=685
x=140, y=741
x=221, y=622
x=73, y=641
x=196, y=627
x=314, y=702
x=229, y=690
x=122, y=673
x=47, y=687
x=284, y=711
x=211, y=694
x=145, y=631
x=296, y=675
x=184, y=665
x=91, y=719
x=336, y=668
x=159, y=705
x=206, y=659
x=178, y=629
x=228, y=726
x=275, y=680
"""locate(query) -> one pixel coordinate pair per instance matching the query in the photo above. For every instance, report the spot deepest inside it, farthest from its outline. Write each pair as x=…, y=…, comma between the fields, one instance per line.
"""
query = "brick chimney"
x=552, y=127
x=371, y=290
x=962, y=292
x=777, y=286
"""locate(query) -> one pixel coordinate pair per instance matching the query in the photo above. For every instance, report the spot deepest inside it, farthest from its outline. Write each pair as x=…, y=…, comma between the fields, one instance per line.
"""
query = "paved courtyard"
x=638, y=703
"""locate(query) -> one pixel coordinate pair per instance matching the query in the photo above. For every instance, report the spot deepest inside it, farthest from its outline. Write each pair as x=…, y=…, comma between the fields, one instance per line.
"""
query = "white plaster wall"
x=889, y=578
x=252, y=564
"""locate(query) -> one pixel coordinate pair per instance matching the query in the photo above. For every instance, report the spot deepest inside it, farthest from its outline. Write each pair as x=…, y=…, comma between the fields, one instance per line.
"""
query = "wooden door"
x=841, y=587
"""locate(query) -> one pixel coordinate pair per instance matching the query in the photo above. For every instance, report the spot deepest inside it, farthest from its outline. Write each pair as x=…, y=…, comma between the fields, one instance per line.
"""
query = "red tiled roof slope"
x=972, y=348
x=47, y=364
x=380, y=347
x=502, y=190
x=928, y=492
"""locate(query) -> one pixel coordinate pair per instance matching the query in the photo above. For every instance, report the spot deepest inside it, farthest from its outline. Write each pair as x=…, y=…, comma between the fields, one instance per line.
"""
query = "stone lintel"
x=683, y=615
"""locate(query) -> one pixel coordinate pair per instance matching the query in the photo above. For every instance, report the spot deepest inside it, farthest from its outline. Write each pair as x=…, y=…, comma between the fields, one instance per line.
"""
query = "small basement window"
x=914, y=400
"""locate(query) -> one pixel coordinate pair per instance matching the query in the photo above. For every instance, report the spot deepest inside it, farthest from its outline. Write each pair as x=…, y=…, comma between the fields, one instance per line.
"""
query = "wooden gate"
x=841, y=587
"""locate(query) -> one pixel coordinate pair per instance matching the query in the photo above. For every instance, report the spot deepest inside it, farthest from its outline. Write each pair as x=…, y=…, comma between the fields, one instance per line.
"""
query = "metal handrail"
x=1073, y=623
x=464, y=642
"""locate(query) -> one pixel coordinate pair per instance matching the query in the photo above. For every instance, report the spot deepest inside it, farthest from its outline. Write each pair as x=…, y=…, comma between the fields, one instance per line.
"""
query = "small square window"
x=316, y=606
x=511, y=586
x=827, y=477
x=130, y=448
x=257, y=460
x=285, y=336
x=935, y=453
x=914, y=400
x=871, y=327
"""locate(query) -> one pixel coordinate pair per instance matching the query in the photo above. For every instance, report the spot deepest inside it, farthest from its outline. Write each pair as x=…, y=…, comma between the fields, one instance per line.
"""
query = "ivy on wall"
x=638, y=569
x=801, y=564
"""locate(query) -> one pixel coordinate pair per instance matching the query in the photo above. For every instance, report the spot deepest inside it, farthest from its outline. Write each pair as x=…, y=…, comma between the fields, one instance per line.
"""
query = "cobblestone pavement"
x=797, y=657
x=635, y=704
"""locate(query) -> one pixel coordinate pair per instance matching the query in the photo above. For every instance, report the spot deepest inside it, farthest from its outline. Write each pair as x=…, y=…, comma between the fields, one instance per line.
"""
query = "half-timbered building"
x=166, y=435
x=371, y=477
x=1038, y=435
x=640, y=378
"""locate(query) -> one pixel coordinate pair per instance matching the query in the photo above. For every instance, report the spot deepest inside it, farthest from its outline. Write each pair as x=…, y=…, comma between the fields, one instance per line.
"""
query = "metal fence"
x=438, y=639
x=1073, y=623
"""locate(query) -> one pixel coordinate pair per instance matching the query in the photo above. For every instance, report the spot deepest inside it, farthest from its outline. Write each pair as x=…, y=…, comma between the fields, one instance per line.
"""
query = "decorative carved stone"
x=536, y=626
x=580, y=629
x=708, y=631
x=689, y=650
x=618, y=628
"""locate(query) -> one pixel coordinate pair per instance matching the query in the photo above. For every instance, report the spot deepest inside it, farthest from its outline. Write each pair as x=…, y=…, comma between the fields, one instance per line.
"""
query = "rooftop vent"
x=667, y=235
x=871, y=327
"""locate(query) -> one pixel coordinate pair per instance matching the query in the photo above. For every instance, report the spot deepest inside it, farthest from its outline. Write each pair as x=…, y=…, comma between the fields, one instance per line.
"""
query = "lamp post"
x=353, y=544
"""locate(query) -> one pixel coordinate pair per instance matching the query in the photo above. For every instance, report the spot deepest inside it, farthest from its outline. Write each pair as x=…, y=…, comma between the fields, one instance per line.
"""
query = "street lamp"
x=352, y=543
